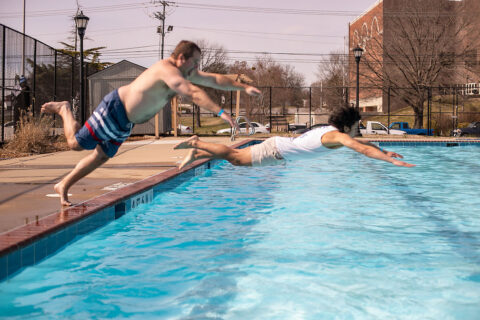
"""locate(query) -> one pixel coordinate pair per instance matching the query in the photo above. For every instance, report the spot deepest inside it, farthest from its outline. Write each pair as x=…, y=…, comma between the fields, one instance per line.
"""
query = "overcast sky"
x=300, y=33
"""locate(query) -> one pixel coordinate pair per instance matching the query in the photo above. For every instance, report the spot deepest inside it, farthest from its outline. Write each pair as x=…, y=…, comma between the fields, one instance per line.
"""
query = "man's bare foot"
x=54, y=106
x=187, y=144
x=60, y=189
x=188, y=159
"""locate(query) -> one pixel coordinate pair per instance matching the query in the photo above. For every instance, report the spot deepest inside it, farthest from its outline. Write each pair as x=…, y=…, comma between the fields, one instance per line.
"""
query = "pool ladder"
x=251, y=129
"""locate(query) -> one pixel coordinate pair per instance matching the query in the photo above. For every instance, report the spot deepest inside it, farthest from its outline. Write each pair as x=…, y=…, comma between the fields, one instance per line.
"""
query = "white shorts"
x=266, y=154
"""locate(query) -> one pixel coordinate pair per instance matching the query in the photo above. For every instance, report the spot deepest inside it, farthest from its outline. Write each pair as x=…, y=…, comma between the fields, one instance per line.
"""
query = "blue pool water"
x=341, y=237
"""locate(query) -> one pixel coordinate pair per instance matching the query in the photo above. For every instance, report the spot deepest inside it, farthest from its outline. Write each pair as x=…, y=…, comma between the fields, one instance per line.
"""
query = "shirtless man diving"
x=112, y=121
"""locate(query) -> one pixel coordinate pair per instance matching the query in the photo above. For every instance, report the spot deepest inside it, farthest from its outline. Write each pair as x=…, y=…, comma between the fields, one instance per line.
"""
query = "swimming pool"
x=338, y=237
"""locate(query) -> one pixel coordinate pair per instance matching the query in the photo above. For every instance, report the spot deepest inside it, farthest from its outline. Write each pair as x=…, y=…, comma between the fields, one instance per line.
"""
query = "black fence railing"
x=48, y=73
x=286, y=109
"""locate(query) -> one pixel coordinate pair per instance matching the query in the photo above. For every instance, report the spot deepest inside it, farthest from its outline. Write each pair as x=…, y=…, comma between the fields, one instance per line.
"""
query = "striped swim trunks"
x=108, y=126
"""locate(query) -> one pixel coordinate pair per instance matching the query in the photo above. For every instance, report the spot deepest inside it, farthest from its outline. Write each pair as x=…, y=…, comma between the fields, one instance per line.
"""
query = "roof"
x=367, y=11
x=117, y=67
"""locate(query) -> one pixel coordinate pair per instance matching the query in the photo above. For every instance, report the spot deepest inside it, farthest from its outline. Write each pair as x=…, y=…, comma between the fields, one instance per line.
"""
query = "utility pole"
x=23, y=52
x=161, y=30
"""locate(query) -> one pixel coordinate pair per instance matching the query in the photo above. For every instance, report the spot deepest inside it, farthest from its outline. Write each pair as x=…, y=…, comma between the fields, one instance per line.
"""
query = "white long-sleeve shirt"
x=308, y=145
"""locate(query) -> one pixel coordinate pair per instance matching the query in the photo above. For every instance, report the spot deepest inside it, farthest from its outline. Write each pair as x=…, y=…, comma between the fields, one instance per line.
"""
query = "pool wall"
x=30, y=244
x=426, y=142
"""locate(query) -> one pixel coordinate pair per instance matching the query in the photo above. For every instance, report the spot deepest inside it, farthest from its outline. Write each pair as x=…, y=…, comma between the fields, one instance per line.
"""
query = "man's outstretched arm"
x=183, y=87
x=367, y=150
x=388, y=153
x=219, y=81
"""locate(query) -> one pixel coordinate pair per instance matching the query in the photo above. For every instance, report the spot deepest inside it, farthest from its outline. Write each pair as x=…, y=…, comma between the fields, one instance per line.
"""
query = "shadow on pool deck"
x=26, y=182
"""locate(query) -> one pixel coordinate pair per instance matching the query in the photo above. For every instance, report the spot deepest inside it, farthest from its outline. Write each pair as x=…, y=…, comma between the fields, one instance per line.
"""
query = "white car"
x=259, y=128
x=375, y=127
x=184, y=129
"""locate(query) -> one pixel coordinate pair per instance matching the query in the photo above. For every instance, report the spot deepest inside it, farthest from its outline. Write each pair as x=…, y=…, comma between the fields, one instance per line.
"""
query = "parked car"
x=472, y=129
x=296, y=126
x=184, y=129
x=405, y=127
x=375, y=127
x=303, y=130
x=256, y=127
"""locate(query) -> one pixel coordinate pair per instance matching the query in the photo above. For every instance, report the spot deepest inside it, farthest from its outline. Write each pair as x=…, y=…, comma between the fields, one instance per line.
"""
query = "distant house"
x=115, y=76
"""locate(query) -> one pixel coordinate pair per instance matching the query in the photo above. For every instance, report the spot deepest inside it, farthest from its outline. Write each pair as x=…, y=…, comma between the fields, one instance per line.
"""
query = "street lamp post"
x=81, y=22
x=357, y=52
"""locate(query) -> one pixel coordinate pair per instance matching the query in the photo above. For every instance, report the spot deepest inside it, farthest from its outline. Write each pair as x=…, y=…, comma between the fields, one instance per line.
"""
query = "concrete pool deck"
x=26, y=184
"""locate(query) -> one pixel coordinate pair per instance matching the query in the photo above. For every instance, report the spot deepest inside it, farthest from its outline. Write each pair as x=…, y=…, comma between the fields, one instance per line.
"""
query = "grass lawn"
x=210, y=125
x=438, y=105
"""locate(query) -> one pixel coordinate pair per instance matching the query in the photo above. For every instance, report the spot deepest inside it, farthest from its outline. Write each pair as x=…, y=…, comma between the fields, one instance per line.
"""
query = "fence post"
x=231, y=103
x=270, y=121
x=453, y=107
x=54, y=87
x=388, y=106
x=34, y=85
x=86, y=102
x=429, y=110
x=72, y=80
x=310, y=111
x=194, y=106
x=3, y=83
x=346, y=89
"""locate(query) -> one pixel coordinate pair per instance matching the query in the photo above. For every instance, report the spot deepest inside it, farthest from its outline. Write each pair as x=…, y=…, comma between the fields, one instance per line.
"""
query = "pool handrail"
x=251, y=129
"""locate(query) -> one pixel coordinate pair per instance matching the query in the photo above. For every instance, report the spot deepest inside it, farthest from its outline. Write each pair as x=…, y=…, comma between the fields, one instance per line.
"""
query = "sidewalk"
x=26, y=184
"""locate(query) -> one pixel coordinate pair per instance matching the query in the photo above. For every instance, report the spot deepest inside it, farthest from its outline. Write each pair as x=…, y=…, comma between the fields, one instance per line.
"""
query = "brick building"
x=375, y=32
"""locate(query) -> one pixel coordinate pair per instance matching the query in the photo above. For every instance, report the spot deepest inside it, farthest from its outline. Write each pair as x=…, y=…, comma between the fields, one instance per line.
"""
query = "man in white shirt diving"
x=343, y=126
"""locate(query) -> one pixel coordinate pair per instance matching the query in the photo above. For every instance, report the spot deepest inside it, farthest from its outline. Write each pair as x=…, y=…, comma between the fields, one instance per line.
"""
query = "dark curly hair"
x=343, y=117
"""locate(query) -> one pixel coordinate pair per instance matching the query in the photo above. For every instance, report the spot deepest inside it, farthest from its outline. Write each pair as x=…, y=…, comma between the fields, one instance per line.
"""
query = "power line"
x=265, y=10
x=218, y=7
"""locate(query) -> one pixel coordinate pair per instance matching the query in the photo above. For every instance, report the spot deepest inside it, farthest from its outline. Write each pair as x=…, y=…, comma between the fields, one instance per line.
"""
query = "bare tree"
x=266, y=73
x=424, y=44
x=213, y=59
x=331, y=77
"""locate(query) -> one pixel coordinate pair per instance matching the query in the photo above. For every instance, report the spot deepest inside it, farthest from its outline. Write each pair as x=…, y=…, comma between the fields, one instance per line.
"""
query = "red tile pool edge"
x=22, y=236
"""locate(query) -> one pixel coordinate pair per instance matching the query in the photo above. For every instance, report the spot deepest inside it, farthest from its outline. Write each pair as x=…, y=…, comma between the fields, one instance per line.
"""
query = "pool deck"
x=26, y=184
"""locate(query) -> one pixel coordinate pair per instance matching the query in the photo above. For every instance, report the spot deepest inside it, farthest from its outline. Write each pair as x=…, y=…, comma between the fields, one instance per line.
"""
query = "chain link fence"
x=284, y=110
x=39, y=75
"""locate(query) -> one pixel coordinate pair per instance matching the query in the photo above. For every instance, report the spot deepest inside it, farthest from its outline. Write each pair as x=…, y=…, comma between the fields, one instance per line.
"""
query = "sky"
x=300, y=33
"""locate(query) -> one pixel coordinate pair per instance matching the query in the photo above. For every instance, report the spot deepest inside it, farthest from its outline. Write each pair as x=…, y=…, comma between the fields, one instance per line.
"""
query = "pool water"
x=339, y=237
